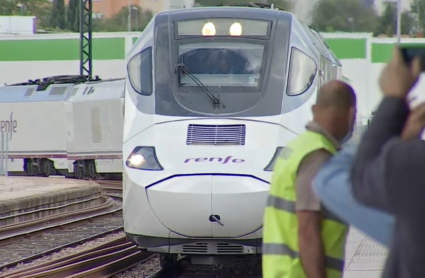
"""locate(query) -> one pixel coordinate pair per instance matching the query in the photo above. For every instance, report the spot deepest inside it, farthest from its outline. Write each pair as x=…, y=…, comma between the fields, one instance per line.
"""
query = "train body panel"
x=189, y=168
x=34, y=123
x=207, y=112
x=94, y=121
x=61, y=124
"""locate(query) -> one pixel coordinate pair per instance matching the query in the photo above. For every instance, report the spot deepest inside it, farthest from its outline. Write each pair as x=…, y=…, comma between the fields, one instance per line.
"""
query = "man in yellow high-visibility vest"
x=301, y=239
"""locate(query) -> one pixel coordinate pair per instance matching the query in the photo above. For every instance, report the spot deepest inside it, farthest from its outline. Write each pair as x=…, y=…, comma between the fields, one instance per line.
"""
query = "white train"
x=212, y=95
x=63, y=125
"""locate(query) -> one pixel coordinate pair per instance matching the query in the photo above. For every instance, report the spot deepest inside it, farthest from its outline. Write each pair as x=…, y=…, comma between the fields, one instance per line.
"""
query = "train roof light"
x=208, y=29
x=236, y=29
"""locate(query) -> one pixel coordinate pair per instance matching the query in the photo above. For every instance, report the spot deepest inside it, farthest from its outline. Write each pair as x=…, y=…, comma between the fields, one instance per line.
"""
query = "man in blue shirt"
x=332, y=185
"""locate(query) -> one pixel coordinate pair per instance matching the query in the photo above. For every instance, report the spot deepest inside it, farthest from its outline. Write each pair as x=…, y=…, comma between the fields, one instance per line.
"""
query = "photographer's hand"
x=397, y=78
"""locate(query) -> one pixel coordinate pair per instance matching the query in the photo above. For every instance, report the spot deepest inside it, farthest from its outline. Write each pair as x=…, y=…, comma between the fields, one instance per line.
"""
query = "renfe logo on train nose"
x=9, y=126
x=215, y=159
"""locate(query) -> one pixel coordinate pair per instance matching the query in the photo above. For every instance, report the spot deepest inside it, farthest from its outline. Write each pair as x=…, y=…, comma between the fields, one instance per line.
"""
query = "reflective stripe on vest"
x=283, y=249
x=289, y=206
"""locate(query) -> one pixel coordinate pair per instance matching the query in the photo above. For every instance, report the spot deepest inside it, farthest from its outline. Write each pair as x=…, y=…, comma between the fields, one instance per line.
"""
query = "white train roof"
x=105, y=89
x=40, y=91
x=29, y=93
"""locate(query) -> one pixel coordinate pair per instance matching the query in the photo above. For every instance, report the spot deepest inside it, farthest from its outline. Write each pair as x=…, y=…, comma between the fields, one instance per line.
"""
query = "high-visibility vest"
x=280, y=231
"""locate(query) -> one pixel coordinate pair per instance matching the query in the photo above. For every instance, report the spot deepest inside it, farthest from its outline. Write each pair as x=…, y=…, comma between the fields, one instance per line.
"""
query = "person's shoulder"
x=314, y=160
x=319, y=154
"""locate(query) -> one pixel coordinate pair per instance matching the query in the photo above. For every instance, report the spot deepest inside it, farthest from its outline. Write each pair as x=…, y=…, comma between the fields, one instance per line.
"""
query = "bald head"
x=337, y=96
x=335, y=108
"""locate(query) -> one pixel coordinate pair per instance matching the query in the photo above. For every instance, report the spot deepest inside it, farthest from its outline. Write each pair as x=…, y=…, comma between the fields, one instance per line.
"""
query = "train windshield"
x=221, y=63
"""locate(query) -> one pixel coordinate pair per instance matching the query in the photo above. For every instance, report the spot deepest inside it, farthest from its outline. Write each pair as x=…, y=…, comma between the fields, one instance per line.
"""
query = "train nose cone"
x=210, y=205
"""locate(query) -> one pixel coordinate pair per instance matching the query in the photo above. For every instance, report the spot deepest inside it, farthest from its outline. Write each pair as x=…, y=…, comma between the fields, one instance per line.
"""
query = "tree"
x=418, y=8
x=387, y=20
x=344, y=16
x=57, y=19
x=37, y=8
x=73, y=16
x=387, y=23
x=119, y=22
x=407, y=23
x=21, y=7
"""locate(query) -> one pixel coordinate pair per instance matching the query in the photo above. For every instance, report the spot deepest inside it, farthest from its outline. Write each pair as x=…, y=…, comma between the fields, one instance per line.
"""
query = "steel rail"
x=3, y=218
x=109, y=182
x=102, y=261
x=40, y=224
x=110, y=186
x=114, y=189
x=58, y=248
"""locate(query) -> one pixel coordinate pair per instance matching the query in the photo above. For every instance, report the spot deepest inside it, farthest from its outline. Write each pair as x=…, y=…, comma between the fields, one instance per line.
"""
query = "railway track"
x=108, y=206
x=110, y=186
x=59, y=248
x=102, y=261
x=12, y=231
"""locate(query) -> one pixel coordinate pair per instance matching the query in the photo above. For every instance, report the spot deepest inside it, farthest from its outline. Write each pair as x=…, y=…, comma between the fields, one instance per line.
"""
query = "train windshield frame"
x=223, y=64
x=231, y=67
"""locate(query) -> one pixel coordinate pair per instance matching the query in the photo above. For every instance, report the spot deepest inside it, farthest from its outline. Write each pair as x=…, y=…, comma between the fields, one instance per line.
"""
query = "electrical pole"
x=129, y=15
x=398, y=22
x=86, y=11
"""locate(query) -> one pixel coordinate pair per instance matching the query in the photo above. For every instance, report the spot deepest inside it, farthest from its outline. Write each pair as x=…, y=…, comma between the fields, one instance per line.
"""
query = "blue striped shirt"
x=332, y=185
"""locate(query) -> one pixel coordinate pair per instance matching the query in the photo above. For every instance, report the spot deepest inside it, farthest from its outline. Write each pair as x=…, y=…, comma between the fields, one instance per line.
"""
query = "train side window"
x=302, y=70
x=140, y=72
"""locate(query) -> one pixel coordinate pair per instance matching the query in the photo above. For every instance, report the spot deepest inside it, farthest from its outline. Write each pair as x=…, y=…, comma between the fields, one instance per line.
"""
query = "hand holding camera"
x=401, y=73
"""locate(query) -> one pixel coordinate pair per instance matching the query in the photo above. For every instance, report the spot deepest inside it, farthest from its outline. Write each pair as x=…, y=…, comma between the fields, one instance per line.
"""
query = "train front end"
x=212, y=96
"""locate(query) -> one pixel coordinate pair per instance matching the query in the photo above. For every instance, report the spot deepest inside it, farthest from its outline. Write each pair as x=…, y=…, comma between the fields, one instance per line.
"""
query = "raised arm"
x=381, y=164
x=369, y=169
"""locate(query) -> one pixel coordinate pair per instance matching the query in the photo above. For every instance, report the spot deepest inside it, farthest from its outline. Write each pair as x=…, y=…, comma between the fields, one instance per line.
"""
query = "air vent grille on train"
x=212, y=248
x=228, y=248
x=216, y=135
x=195, y=248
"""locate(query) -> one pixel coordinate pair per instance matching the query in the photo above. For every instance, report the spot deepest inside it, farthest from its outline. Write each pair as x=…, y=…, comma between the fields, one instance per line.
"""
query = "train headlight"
x=270, y=166
x=144, y=158
x=208, y=29
x=236, y=29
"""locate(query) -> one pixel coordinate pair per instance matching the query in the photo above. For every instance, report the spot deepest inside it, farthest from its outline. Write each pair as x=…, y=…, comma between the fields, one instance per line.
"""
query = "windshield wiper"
x=215, y=101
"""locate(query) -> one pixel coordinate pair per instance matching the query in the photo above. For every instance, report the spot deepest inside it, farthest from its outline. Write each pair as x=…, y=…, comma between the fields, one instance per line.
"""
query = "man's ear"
x=352, y=114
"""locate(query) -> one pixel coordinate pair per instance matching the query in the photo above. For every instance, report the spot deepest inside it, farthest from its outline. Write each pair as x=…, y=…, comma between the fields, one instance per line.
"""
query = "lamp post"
x=398, y=22
x=22, y=7
x=350, y=21
x=137, y=17
x=129, y=15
